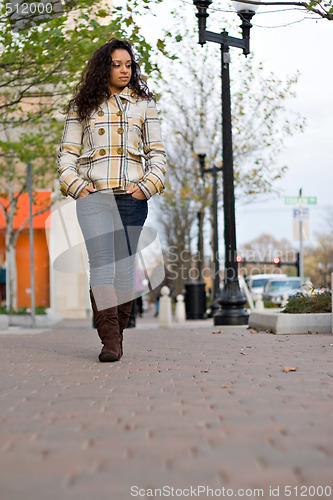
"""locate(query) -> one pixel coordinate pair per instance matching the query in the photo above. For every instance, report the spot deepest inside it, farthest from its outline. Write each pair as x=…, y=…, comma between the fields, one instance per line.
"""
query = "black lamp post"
x=232, y=300
x=201, y=149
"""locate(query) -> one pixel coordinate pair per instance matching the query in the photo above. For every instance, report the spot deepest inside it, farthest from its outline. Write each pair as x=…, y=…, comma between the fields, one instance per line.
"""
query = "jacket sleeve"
x=154, y=150
x=69, y=151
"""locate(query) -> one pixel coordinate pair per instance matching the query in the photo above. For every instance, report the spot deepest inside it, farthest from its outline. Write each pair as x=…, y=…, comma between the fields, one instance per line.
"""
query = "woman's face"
x=121, y=70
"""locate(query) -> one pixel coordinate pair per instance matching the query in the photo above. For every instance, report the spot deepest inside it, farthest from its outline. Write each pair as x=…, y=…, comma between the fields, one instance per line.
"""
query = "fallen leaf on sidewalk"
x=310, y=332
x=254, y=330
x=217, y=331
x=242, y=353
x=288, y=369
x=204, y=371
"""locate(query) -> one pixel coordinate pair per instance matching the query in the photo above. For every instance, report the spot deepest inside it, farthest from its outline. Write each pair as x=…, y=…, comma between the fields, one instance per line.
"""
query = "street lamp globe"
x=200, y=145
x=244, y=7
x=201, y=148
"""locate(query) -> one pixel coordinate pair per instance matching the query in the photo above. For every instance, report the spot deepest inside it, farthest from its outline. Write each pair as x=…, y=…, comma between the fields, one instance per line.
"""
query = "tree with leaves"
x=265, y=248
x=318, y=260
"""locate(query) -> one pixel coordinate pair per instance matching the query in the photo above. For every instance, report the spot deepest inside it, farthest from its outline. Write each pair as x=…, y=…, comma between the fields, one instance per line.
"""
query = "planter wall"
x=4, y=321
x=42, y=320
x=287, y=324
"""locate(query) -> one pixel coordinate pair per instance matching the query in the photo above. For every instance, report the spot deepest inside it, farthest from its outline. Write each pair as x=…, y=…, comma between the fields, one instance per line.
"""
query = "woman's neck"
x=116, y=91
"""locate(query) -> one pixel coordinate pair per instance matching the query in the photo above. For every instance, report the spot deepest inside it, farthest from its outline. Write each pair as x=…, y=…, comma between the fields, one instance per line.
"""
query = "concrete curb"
x=24, y=320
x=289, y=324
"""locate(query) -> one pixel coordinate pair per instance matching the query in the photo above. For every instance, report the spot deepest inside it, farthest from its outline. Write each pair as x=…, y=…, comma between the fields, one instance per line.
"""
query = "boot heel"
x=108, y=357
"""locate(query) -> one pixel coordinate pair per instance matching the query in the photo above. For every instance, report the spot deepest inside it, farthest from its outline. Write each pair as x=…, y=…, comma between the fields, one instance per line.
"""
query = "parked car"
x=278, y=288
x=257, y=282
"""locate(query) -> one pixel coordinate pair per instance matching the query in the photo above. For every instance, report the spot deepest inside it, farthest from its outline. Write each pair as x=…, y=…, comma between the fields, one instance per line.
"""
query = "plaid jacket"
x=119, y=146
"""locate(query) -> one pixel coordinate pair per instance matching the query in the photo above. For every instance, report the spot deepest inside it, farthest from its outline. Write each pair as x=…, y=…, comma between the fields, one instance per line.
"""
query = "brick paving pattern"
x=188, y=406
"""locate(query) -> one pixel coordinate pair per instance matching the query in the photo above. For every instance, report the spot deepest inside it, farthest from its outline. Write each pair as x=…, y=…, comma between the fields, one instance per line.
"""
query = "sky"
x=306, y=46
x=287, y=41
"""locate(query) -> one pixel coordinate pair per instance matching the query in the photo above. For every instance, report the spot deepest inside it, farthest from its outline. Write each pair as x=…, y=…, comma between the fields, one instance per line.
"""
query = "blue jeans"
x=111, y=225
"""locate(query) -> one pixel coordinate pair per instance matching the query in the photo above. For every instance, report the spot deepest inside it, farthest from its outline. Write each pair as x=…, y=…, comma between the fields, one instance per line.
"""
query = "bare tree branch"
x=26, y=221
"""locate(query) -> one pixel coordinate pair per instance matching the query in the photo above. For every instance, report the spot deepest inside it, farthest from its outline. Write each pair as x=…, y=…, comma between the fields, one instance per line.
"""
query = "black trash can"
x=195, y=300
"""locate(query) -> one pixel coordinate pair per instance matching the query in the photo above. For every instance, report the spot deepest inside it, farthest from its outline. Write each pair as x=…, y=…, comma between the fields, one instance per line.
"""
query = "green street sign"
x=300, y=200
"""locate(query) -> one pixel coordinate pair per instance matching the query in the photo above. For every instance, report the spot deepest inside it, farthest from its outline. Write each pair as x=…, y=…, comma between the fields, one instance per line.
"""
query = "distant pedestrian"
x=139, y=289
x=112, y=160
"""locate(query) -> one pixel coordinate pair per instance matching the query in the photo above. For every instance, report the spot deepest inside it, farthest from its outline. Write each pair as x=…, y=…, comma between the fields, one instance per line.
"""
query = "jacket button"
x=102, y=152
x=119, y=113
x=100, y=113
x=101, y=131
x=120, y=151
x=120, y=130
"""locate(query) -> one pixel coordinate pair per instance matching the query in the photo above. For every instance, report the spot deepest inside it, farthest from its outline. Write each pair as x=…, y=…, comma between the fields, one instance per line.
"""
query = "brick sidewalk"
x=184, y=407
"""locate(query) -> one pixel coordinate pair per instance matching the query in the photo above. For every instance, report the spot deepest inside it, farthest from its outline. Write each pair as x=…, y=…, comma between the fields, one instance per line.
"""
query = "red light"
x=238, y=258
x=277, y=260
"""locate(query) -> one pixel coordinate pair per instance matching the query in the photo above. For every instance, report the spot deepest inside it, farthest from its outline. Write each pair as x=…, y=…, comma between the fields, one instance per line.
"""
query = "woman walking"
x=112, y=160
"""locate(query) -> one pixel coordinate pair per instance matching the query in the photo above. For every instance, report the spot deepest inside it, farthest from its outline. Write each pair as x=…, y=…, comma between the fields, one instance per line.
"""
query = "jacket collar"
x=127, y=94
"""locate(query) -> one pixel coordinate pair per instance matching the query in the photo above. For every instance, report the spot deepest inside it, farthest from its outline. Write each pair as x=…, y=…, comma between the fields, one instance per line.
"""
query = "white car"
x=257, y=282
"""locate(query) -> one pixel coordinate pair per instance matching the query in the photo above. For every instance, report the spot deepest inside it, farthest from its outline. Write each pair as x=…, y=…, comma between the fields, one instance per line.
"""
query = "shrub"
x=22, y=310
x=314, y=303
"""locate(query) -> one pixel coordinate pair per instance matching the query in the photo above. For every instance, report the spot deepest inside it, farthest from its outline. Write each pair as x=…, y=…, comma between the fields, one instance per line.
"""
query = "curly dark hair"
x=93, y=87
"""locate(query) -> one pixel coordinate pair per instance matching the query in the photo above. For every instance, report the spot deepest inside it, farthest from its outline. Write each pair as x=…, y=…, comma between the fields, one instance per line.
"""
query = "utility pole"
x=31, y=244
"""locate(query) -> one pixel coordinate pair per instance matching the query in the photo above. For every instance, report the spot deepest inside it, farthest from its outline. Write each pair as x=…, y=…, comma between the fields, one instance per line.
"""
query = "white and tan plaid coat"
x=118, y=147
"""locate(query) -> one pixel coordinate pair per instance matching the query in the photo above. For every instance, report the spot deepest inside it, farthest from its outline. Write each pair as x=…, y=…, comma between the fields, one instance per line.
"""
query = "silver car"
x=277, y=289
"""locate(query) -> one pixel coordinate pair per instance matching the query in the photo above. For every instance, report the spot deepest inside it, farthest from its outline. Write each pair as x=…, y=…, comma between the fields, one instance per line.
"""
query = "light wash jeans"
x=111, y=225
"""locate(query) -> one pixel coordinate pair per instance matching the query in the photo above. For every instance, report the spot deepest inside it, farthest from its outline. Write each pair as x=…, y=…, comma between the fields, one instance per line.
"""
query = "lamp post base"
x=232, y=311
x=215, y=305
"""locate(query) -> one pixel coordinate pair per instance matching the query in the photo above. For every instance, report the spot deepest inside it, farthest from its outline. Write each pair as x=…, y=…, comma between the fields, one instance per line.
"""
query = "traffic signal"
x=277, y=261
x=238, y=259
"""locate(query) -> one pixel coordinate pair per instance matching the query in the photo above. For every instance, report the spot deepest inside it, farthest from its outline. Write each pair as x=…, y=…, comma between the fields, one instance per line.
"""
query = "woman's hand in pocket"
x=85, y=191
x=137, y=193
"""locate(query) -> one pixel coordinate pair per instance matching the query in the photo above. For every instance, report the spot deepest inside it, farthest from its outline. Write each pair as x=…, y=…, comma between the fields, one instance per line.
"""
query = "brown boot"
x=107, y=325
x=124, y=311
